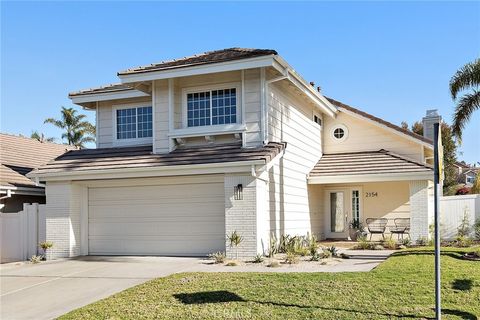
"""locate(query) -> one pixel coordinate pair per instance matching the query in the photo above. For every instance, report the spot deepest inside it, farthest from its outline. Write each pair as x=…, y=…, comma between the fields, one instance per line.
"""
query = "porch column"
x=421, y=209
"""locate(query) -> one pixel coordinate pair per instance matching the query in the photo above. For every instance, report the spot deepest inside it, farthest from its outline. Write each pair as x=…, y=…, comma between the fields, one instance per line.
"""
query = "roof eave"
x=84, y=100
x=373, y=177
x=206, y=168
x=183, y=71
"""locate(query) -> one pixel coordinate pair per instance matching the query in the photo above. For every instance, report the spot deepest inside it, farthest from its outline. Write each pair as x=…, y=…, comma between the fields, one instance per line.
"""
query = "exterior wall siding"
x=365, y=136
x=240, y=215
x=288, y=199
x=63, y=219
x=105, y=129
x=421, y=209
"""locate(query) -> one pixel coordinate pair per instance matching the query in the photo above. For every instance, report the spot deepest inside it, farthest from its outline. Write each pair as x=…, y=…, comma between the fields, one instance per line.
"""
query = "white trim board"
x=105, y=96
x=370, y=178
x=177, y=170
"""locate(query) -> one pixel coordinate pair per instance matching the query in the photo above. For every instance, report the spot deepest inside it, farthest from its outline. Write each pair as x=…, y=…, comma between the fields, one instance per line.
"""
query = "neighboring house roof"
x=142, y=157
x=20, y=155
x=380, y=121
x=204, y=58
x=369, y=162
x=461, y=164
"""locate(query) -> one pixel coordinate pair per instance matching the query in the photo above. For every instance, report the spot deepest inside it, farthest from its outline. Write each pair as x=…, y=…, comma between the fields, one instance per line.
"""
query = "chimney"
x=430, y=118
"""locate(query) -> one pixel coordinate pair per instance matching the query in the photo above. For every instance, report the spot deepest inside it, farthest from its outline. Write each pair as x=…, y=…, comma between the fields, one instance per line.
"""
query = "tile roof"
x=20, y=155
x=370, y=162
x=379, y=120
x=142, y=157
x=115, y=87
x=203, y=58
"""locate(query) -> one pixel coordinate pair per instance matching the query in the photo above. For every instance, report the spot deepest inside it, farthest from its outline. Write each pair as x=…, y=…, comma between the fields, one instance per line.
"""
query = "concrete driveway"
x=50, y=289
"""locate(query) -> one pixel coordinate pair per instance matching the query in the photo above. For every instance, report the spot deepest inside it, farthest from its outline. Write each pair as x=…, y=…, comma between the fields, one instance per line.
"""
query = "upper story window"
x=133, y=123
x=317, y=120
x=212, y=107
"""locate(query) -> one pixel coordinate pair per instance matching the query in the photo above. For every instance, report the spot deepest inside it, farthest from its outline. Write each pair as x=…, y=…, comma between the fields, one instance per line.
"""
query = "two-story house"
x=192, y=149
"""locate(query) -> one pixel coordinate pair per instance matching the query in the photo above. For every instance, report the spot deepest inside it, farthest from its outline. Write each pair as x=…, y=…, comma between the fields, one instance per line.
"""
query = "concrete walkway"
x=50, y=289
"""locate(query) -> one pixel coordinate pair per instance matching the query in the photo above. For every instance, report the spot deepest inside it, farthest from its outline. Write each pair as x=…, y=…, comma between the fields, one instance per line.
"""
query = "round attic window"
x=339, y=132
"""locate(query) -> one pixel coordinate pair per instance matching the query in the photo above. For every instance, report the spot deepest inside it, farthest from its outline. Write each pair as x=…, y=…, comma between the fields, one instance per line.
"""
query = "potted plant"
x=355, y=229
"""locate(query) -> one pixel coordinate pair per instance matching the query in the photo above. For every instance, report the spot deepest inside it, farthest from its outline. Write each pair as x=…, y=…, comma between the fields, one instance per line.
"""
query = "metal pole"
x=438, y=310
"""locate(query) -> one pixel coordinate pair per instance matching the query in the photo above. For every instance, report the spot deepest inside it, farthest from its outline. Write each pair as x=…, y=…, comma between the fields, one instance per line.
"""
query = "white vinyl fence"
x=21, y=232
x=452, y=211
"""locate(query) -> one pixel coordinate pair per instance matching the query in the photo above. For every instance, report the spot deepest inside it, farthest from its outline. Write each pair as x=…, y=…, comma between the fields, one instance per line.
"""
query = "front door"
x=336, y=214
x=342, y=206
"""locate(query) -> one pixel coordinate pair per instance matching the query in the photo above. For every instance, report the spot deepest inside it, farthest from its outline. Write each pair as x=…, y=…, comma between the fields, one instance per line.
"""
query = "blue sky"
x=393, y=60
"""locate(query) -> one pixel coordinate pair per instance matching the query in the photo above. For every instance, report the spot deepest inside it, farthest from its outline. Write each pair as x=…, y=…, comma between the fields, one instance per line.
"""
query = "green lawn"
x=402, y=286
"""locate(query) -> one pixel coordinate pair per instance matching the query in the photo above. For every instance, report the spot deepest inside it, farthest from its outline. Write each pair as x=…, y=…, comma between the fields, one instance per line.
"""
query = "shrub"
x=232, y=263
x=45, y=245
x=312, y=245
x=463, y=241
x=476, y=228
x=218, y=257
x=235, y=240
x=463, y=191
x=273, y=264
x=36, y=259
x=316, y=257
x=333, y=250
x=258, y=259
x=291, y=258
x=326, y=254
x=282, y=245
x=363, y=243
x=464, y=228
x=406, y=242
x=422, y=241
x=390, y=244
x=272, y=249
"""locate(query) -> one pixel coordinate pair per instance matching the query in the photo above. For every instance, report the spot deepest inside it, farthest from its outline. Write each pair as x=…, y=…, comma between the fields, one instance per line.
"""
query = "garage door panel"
x=178, y=218
x=132, y=211
x=153, y=228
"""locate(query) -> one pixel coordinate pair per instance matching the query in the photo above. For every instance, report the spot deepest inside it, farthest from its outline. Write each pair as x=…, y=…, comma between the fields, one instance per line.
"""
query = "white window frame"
x=339, y=126
x=132, y=141
x=214, y=127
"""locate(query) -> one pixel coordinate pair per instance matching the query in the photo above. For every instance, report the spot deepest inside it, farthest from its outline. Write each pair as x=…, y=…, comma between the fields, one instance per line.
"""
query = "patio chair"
x=402, y=226
x=377, y=226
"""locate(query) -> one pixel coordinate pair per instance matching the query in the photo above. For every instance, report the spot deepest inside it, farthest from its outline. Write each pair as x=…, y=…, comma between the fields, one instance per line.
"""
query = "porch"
x=357, y=186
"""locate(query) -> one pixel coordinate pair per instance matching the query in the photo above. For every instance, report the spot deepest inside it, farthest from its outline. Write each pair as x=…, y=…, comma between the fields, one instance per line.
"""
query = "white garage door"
x=170, y=216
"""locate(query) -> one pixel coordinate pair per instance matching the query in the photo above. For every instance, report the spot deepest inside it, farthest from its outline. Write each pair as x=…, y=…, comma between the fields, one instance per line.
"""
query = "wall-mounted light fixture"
x=238, y=192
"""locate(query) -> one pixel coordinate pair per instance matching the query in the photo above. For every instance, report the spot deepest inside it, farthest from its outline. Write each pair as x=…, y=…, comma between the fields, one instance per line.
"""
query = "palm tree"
x=468, y=77
x=41, y=137
x=77, y=131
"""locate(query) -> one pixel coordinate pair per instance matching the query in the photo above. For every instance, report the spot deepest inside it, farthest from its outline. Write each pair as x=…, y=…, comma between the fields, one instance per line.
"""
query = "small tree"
x=476, y=185
x=464, y=227
x=45, y=245
x=235, y=239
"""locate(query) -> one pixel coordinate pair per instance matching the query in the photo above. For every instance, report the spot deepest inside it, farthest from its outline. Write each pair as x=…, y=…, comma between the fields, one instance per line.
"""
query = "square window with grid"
x=212, y=107
x=134, y=123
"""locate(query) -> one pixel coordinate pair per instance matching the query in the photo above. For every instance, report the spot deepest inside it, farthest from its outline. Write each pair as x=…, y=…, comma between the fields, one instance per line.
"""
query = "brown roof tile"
x=20, y=155
x=369, y=162
x=203, y=58
x=142, y=157
x=116, y=87
x=376, y=119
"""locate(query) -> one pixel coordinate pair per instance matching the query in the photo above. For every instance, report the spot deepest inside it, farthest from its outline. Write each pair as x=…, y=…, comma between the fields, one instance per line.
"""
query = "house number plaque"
x=371, y=194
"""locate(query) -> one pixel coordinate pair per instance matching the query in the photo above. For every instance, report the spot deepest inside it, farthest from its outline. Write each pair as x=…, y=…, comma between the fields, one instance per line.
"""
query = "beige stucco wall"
x=392, y=201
